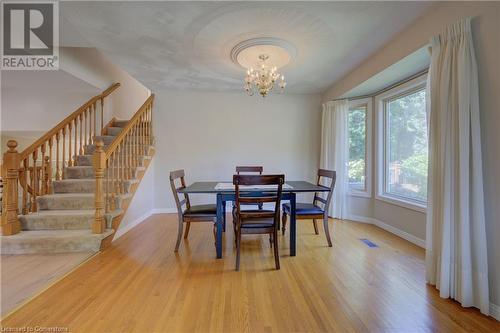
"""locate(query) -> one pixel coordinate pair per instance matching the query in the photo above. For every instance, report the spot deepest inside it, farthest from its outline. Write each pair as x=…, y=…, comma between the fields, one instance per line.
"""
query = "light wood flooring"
x=140, y=285
x=23, y=276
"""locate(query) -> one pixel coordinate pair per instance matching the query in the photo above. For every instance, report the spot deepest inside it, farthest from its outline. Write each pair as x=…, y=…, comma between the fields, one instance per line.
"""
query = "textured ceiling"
x=187, y=45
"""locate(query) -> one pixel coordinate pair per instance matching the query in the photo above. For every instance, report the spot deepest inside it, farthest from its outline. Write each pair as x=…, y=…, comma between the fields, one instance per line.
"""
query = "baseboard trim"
x=359, y=218
x=122, y=231
x=387, y=227
x=163, y=211
x=495, y=311
x=398, y=232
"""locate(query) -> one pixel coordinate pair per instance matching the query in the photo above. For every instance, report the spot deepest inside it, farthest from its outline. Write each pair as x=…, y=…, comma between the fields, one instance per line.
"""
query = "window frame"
x=367, y=192
x=381, y=100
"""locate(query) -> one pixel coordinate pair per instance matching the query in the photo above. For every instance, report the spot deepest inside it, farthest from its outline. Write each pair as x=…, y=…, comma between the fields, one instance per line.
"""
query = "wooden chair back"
x=175, y=175
x=247, y=197
x=247, y=169
x=325, y=177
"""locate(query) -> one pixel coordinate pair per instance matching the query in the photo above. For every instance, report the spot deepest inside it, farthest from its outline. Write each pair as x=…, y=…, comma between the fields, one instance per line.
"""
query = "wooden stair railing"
x=45, y=160
x=117, y=162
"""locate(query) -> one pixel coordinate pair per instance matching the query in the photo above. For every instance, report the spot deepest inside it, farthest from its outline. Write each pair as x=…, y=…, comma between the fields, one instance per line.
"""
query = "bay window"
x=402, y=149
x=359, y=141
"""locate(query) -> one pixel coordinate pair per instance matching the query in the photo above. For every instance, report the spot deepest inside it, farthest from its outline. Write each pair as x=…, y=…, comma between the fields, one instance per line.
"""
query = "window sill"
x=402, y=203
x=359, y=194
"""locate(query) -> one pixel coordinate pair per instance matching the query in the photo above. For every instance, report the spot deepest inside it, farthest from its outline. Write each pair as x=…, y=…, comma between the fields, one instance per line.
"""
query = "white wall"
x=142, y=204
x=208, y=133
x=35, y=101
x=486, y=27
x=93, y=67
x=32, y=102
x=38, y=100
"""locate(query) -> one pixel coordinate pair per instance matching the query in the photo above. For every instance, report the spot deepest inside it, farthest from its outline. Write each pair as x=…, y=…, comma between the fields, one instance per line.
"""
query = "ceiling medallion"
x=262, y=57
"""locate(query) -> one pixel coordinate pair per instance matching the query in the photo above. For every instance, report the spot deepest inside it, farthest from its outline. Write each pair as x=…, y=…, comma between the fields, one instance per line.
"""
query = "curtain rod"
x=394, y=85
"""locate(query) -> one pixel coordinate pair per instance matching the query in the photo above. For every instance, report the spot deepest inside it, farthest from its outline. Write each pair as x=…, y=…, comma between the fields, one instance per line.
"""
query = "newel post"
x=99, y=162
x=10, y=173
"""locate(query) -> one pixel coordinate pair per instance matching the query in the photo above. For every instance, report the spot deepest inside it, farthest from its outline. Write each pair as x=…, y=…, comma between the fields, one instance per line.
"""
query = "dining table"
x=225, y=192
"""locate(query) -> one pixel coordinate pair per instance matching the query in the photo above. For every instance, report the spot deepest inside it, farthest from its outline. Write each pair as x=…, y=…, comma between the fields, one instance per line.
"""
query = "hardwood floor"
x=140, y=285
x=23, y=276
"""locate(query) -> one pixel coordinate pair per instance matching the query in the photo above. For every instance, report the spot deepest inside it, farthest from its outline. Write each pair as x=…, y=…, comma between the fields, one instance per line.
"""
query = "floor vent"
x=368, y=242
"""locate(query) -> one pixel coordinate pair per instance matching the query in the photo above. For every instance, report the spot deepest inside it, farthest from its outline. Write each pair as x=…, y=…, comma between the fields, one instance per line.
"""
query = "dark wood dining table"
x=289, y=193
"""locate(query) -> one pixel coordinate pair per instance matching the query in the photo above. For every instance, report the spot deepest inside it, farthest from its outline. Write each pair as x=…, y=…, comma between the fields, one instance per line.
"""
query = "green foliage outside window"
x=407, y=146
x=357, y=147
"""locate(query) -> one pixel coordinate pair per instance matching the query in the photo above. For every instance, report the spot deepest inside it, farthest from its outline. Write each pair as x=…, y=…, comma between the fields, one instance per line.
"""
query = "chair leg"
x=214, y=231
x=327, y=232
x=179, y=234
x=234, y=226
x=283, y=220
x=238, y=248
x=223, y=216
x=315, y=227
x=186, y=232
x=276, y=254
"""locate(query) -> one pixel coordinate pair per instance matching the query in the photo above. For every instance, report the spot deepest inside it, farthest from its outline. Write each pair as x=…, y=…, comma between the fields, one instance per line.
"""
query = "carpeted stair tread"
x=114, y=130
x=107, y=139
x=84, y=160
x=83, y=185
x=52, y=241
x=58, y=219
x=66, y=201
x=74, y=185
x=79, y=172
x=120, y=123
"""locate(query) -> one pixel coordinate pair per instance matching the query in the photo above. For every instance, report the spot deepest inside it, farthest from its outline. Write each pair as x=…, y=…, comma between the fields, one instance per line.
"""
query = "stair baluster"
x=58, y=174
x=63, y=164
x=102, y=115
x=106, y=186
x=42, y=173
x=80, y=121
x=51, y=160
x=95, y=128
x=24, y=180
x=75, y=121
x=47, y=175
x=129, y=155
x=34, y=181
x=70, y=156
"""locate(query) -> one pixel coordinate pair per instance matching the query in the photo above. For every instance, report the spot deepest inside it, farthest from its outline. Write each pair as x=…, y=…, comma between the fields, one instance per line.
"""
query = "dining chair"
x=246, y=170
x=196, y=213
x=250, y=169
x=308, y=211
x=258, y=221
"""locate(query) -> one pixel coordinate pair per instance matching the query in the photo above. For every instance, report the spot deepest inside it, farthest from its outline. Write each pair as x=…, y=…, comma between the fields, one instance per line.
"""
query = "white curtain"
x=334, y=152
x=456, y=256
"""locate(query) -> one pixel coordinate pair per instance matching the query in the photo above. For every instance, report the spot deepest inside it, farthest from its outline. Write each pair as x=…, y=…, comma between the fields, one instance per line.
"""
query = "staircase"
x=78, y=206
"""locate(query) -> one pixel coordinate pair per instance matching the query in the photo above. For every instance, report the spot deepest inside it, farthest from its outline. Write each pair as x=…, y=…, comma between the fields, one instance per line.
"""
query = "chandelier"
x=263, y=78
